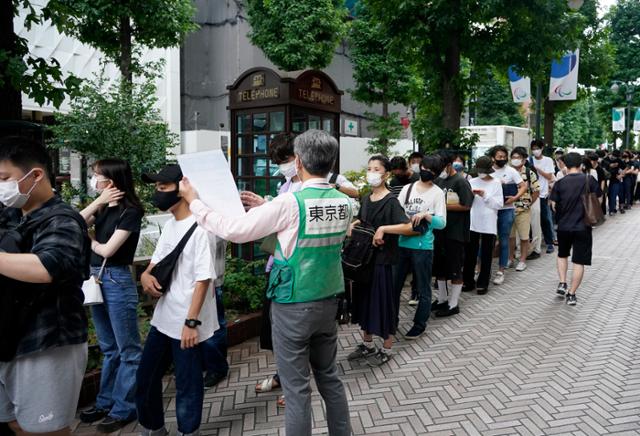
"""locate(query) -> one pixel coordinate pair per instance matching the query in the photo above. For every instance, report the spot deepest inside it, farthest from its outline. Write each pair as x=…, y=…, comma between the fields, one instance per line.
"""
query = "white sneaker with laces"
x=413, y=302
x=521, y=266
x=498, y=279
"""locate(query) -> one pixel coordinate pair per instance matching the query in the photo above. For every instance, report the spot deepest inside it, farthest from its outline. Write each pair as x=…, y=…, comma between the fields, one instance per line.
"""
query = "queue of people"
x=428, y=218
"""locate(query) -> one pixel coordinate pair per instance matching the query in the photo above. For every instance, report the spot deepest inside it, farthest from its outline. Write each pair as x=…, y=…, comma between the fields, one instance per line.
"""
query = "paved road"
x=515, y=361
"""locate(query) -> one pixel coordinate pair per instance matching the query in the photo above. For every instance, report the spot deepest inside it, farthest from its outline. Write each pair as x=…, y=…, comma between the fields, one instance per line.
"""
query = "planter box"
x=244, y=328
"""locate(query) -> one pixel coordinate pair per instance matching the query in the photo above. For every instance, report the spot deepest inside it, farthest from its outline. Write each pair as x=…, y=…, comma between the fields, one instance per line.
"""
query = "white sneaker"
x=521, y=266
x=510, y=264
x=413, y=302
x=498, y=279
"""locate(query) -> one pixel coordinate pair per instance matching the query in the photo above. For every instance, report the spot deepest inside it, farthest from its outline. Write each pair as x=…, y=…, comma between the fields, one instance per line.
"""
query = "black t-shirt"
x=600, y=172
x=615, y=170
x=110, y=219
x=384, y=212
x=567, y=195
x=457, y=191
x=396, y=184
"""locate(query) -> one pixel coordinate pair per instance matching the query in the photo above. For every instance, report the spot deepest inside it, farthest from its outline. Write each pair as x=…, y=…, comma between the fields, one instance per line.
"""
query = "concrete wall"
x=215, y=55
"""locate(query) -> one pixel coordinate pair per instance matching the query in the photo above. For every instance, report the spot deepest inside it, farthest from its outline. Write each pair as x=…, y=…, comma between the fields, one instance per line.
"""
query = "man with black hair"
x=573, y=234
x=449, y=243
x=616, y=195
x=402, y=175
x=43, y=323
x=546, y=176
x=415, y=159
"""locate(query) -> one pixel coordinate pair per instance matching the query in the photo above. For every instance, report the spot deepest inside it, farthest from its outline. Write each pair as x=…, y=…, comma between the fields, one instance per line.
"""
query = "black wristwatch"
x=192, y=323
x=337, y=187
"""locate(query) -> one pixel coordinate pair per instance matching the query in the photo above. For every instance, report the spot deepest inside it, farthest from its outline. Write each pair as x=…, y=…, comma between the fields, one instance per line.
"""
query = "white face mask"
x=516, y=162
x=10, y=194
x=537, y=153
x=415, y=168
x=444, y=174
x=482, y=175
x=288, y=170
x=374, y=179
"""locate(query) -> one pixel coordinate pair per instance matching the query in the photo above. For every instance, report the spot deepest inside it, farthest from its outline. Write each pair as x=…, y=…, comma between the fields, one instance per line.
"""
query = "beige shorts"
x=521, y=225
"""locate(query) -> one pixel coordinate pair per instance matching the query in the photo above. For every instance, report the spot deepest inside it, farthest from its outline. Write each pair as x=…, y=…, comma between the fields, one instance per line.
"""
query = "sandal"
x=268, y=384
x=281, y=402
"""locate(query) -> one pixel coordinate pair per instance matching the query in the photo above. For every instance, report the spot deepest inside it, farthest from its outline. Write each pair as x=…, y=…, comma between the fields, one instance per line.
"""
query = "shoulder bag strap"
x=408, y=196
x=185, y=239
x=334, y=177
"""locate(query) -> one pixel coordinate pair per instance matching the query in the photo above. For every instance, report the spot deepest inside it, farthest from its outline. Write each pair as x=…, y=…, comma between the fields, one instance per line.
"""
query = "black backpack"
x=20, y=301
x=359, y=252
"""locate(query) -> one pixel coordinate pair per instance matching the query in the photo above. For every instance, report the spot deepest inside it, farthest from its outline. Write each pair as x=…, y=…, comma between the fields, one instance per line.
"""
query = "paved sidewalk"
x=515, y=361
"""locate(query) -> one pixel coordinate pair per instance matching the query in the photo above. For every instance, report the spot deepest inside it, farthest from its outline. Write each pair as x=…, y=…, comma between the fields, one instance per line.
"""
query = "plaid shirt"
x=61, y=245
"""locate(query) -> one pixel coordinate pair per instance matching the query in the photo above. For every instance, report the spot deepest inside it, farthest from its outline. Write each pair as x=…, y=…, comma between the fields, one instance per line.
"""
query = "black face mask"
x=426, y=176
x=165, y=200
x=501, y=162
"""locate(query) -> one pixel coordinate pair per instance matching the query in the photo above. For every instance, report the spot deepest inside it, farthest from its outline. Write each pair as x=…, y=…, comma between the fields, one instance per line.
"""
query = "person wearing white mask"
x=374, y=303
x=545, y=168
x=415, y=159
x=43, y=326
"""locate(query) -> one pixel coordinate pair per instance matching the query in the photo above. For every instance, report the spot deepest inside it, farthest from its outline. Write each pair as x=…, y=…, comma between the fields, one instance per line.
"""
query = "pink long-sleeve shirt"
x=281, y=216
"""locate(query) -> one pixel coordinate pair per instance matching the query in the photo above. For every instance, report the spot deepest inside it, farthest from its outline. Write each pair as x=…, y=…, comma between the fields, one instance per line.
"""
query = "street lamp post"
x=629, y=90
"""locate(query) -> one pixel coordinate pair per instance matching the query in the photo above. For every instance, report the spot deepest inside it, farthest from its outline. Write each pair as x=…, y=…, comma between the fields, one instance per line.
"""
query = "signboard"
x=636, y=121
x=351, y=127
x=618, y=120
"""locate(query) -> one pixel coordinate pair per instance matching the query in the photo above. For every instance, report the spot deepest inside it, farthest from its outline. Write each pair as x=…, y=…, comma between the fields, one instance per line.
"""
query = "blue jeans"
x=628, y=184
x=615, y=191
x=546, y=221
x=214, y=349
x=505, y=222
x=159, y=351
x=420, y=262
x=116, y=323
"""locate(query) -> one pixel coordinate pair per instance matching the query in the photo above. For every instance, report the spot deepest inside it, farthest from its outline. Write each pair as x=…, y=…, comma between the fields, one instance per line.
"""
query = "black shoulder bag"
x=163, y=270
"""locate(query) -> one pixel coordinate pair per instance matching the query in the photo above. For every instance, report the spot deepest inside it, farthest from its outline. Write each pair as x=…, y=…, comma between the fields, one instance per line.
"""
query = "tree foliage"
x=295, y=35
x=120, y=28
x=494, y=104
x=578, y=125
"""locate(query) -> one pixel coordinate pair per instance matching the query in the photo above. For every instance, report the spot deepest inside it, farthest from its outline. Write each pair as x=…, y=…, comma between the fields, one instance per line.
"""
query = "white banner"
x=563, y=84
x=618, y=121
x=636, y=121
x=520, y=87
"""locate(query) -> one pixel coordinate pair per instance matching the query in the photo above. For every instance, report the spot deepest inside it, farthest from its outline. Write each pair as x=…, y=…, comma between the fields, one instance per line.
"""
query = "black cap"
x=168, y=174
x=484, y=165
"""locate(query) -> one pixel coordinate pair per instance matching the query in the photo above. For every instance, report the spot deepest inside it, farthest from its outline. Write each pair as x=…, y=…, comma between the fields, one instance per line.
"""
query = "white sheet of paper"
x=210, y=175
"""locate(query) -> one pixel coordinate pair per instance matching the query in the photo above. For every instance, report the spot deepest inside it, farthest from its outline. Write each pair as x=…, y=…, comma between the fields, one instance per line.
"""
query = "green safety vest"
x=314, y=270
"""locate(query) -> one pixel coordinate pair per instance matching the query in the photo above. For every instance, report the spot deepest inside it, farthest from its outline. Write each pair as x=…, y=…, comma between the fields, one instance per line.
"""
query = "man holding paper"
x=311, y=225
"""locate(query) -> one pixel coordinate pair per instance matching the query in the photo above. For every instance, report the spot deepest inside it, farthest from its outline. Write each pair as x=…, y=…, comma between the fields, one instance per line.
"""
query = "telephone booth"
x=263, y=104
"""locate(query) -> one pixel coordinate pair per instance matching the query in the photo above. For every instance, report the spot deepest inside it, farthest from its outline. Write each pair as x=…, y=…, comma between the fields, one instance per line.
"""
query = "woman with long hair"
x=116, y=216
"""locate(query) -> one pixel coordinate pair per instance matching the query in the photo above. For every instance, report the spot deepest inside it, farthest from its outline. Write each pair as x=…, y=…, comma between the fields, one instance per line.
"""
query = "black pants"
x=485, y=243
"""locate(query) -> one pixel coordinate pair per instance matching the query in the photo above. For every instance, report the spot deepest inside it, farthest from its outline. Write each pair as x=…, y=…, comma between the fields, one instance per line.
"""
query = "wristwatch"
x=192, y=323
x=337, y=187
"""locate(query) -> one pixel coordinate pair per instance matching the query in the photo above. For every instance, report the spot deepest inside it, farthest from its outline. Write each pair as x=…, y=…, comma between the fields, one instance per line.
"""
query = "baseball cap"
x=168, y=174
x=484, y=165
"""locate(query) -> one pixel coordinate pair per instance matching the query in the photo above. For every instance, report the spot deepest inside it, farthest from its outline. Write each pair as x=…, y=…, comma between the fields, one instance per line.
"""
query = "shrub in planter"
x=244, y=285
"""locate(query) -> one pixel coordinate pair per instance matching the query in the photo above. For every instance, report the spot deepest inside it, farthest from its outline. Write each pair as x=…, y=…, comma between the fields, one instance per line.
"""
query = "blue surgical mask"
x=458, y=166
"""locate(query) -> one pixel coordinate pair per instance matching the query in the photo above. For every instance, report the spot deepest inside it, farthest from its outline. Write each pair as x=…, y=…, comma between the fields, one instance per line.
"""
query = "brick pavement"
x=516, y=361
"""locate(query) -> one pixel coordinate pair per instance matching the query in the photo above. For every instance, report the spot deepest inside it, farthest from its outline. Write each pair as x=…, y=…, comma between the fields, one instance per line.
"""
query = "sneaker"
x=92, y=415
x=533, y=256
x=160, y=432
x=550, y=248
x=562, y=289
x=571, y=299
x=210, y=380
x=361, y=352
x=510, y=264
x=379, y=358
x=414, y=333
x=435, y=306
x=449, y=311
x=521, y=266
x=482, y=291
x=498, y=279
x=413, y=302
x=110, y=424
x=622, y=211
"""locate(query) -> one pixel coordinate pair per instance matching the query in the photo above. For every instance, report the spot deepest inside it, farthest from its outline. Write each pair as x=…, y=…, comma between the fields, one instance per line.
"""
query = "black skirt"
x=374, y=304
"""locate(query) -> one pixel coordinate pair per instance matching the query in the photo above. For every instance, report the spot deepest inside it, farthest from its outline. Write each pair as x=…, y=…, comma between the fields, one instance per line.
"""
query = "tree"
x=297, y=34
x=120, y=28
x=120, y=120
x=579, y=125
x=494, y=104
x=20, y=71
x=439, y=36
x=381, y=77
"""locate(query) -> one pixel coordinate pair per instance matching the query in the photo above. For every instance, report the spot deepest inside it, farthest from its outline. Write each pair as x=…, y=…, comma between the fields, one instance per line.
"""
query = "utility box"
x=490, y=136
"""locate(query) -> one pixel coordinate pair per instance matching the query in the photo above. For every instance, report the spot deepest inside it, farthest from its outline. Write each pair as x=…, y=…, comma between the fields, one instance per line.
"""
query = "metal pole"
x=538, y=108
x=629, y=98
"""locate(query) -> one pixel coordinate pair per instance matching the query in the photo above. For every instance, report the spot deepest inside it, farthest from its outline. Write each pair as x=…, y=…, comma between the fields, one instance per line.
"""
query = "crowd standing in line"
x=426, y=217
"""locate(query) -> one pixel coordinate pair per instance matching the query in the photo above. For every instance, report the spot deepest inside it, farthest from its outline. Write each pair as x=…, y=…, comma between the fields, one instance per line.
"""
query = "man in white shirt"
x=513, y=188
x=545, y=168
x=184, y=317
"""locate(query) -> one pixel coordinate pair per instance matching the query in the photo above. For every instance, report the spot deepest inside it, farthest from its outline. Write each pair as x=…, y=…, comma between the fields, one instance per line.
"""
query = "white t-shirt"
x=194, y=264
x=594, y=174
x=546, y=165
x=484, y=211
x=432, y=201
x=507, y=175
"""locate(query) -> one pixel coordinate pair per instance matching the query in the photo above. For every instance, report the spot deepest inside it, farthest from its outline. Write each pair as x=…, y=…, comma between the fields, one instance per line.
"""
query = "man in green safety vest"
x=306, y=278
